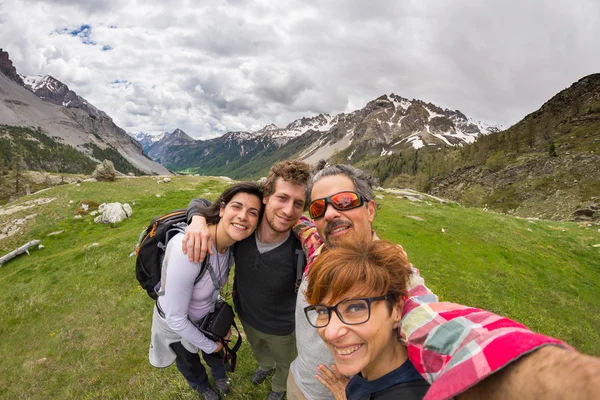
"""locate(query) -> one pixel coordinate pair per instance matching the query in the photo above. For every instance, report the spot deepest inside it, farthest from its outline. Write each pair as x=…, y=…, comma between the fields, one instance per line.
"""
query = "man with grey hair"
x=456, y=348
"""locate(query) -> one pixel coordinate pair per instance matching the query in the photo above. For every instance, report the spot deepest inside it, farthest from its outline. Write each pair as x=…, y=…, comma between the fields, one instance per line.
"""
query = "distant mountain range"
x=47, y=105
x=547, y=165
x=384, y=126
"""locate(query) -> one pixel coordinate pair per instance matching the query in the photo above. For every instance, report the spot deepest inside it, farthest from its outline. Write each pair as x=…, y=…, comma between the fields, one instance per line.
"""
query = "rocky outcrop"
x=589, y=213
x=7, y=68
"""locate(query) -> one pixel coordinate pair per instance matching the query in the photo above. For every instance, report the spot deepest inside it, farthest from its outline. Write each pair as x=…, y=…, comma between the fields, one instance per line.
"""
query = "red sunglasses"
x=341, y=201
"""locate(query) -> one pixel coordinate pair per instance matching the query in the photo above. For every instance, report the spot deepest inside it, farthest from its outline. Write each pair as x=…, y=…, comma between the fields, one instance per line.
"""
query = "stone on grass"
x=105, y=171
x=111, y=213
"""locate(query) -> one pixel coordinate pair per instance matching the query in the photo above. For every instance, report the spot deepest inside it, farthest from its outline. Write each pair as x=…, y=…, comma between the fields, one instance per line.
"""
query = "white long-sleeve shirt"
x=183, y=298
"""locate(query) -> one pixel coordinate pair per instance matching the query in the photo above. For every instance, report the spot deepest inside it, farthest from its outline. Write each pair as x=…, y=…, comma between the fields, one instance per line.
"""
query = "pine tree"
x=552, y=150
x=2, y=168
x=17, y=167
x=415, y=165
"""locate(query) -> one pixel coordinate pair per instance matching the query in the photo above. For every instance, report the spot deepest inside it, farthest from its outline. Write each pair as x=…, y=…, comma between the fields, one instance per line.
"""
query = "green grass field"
x=75, y=323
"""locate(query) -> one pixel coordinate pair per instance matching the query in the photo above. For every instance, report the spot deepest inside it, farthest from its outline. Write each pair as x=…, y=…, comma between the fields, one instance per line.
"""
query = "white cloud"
x=220, y=66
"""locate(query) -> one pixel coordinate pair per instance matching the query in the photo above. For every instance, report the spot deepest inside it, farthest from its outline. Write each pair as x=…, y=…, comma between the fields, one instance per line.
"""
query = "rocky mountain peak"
x=54, y=91
x=179, y=134
x=269, y=129
x=8, y=69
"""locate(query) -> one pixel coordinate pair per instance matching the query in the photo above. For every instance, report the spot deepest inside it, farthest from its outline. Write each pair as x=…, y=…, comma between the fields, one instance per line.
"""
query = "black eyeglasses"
x=341, y=201
x=350, y=311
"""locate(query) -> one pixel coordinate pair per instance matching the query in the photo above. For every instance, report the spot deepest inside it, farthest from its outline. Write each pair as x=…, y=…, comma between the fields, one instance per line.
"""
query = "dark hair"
x=211, y=213
x=363, y=182
x=381, y=265
x=292, y=171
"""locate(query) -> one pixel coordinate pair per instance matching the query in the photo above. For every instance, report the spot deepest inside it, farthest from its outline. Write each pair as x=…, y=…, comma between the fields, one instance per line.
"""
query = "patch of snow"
x=416, y=142
x=385, y=152
x=433, y=114
x=402, y=103
x=34, y=81
x=320, y=123
x=441, y=137
x=351, y=154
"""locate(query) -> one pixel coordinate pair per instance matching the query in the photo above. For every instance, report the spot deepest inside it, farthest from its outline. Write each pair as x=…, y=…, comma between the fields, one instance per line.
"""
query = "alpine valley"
x=546, y=166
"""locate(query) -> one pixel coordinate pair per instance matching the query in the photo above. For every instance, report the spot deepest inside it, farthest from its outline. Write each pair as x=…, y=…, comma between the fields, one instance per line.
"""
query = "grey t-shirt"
x=265, y=247
x=312, y=352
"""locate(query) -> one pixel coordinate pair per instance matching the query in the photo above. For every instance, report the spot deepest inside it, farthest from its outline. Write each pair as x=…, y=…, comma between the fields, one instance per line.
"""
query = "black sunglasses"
x=341, y=201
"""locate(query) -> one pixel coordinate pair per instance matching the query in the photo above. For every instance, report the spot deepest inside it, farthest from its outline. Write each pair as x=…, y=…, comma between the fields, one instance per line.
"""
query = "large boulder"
x=105, y=171
x=111, y=213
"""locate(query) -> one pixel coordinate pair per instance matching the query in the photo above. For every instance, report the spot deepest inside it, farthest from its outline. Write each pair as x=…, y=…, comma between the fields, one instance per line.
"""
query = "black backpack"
x=151, y=247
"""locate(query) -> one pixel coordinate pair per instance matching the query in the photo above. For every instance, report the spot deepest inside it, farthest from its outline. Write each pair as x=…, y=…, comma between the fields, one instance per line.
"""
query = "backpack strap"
x=300, y=264
x=215, y=281
x=203, y=266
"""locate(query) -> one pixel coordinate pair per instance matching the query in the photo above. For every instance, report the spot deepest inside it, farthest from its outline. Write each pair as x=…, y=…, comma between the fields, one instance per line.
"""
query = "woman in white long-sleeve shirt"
x=233, y=217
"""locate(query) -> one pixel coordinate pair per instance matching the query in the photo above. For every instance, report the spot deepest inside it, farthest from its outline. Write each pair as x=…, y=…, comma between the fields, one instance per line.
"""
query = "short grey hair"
x=363, y=182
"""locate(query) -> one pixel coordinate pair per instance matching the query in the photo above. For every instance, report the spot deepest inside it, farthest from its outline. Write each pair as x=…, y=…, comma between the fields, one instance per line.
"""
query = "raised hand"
x=333, y=380
x=197, y=242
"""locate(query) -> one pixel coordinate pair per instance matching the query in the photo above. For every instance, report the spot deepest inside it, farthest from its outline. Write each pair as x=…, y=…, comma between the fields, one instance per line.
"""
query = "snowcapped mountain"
x=146, y=139
x=384, y=126
x=54, y=91
x=391, y=123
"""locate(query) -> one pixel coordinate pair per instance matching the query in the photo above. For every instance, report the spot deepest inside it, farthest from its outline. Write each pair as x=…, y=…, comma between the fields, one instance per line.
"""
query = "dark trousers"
x=191, y=368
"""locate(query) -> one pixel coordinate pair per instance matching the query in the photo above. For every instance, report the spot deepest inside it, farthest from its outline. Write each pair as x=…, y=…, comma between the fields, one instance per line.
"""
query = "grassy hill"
x=75, y=324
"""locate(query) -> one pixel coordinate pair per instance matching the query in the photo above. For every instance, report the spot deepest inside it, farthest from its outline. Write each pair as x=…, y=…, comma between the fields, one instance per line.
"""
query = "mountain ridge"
x=49, y=106
x=389, y=122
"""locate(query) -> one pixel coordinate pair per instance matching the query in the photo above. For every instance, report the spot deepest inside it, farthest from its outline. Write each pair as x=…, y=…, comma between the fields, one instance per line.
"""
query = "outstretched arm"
x=456, y=347
x=196, y=242
x=547, y=373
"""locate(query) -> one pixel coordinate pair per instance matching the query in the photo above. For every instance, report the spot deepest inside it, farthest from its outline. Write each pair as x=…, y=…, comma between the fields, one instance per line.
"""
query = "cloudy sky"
x=209, y=67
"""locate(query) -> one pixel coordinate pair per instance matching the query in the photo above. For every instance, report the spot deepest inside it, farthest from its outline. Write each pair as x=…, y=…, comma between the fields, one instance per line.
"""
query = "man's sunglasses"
x=341, y=201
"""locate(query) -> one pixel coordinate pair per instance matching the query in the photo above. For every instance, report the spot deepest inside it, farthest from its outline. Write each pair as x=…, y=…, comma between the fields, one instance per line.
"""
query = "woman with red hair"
x=356, y=294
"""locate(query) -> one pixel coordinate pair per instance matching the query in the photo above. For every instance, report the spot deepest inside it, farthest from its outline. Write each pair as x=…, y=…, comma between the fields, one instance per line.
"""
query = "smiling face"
x=239, y=217
x=284, y=206
x=334, y=223
x=368, y=348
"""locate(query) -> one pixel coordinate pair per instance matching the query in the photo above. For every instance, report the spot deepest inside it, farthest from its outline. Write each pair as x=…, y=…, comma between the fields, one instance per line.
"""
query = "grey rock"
x=111, y=213
x=105, y=171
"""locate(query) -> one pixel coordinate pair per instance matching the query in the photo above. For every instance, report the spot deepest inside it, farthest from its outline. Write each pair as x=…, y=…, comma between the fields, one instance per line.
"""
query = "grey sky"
x=221, y=66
